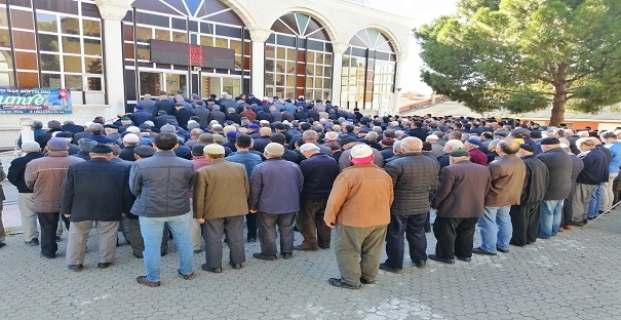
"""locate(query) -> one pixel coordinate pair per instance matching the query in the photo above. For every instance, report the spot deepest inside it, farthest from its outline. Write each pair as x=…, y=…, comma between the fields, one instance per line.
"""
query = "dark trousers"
x=413, y=226
x=66, y=222
x=213, y=230
x=251, y=225
x=455, y=237
x=568, y=209
x=525, y=220
x=267, y=223
x=49, y=224
x=131, y=232
x=311, y=225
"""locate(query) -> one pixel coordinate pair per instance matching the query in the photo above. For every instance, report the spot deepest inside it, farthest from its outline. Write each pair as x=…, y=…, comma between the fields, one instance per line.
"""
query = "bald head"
x=507, y=147
x=411, y=145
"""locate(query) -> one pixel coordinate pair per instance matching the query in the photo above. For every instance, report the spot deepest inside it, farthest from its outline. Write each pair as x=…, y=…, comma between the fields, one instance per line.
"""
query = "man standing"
x=568, y=206
x=25, y=197
x=525, y=217
x=275, y=194
x=2, y=198
x=477, y=156
x=359, y=209
x=95, y=191
x=161, y=185
x=220, y=208
x=45, y=176
x=595, y=171
x=613, y=169
x=457, y=216
x=414, y=179
x=319, y=171
x=508, y=175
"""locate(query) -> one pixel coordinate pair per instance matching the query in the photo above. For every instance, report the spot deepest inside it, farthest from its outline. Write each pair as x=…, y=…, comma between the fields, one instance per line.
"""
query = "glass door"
x=154, y=82
x=217, y=85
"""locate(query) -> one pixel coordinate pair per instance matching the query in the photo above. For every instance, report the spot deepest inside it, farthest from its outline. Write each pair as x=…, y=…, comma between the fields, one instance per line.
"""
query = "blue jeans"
x=551, y=215
x=496, y=229
x=595, y=202
x=152, y=229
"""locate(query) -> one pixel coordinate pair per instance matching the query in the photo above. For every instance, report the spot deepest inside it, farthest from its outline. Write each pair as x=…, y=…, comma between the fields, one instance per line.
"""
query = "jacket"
x=248, y=159
x=96, y=190
x=218, y=116
x=414, y=179
x=203, y=116
x=418, y=133
x=127, y=154
x=462, y=190
x=17, y=170
x=319, y=173
x=46, y=176
x=559, y=168
x=576, y=167
x=508, y=176
x=2, y=177
x=161, y=184
x=615, y=162
x=361, y=197
x=536, y=180
x=221, y=190
x=595, y=169
x=275, y=187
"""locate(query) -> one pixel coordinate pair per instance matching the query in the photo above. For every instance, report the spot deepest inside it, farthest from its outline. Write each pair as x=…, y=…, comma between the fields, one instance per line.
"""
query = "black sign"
x=184, y=54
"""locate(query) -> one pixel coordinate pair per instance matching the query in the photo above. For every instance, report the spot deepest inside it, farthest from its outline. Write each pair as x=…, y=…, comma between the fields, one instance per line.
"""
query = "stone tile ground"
x=576, y=275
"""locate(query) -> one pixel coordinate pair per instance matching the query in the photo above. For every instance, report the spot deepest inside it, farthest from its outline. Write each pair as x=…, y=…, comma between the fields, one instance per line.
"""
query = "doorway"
x=154, y=82
x=218, y=84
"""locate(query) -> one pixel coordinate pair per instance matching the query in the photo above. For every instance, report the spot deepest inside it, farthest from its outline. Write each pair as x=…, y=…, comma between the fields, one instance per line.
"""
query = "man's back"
x=560, y=167
x=276, y=185
x=414, y=178
x=248, y=159
x=508, y=175
x=203, y=116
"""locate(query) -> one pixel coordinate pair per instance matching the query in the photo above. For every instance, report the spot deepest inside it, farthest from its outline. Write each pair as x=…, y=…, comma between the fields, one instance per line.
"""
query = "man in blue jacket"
x=613, y=169
x=161, y=185
x=275, y=194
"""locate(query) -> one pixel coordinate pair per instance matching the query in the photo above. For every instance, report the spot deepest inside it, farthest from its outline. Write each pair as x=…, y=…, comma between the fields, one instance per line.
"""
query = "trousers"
x=311, y=225
x=78, y=234
x=26, y=204
x=267, y=223
x=2, y=233
x=581, y=201
x=525, y=219
x=251, y=225
x=358, y=252
x=131, y=232
x=413, y=227
x=213, y=230
x=455, y=237
x=608, y=196
x=49, y=223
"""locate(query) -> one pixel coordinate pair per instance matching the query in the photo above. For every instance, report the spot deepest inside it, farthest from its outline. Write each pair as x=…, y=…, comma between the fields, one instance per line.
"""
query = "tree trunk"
x=558, y=105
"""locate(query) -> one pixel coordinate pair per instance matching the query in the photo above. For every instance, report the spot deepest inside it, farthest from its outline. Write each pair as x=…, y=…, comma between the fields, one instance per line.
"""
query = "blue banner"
x=35, y=100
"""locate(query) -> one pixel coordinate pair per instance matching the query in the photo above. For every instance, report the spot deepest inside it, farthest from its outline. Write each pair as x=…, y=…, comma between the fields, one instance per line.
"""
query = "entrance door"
x=154, y=82
x=218, y=84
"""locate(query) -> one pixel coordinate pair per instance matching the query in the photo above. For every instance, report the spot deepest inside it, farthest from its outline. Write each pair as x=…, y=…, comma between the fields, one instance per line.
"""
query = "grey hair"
x=86, y=144
x=96, y=128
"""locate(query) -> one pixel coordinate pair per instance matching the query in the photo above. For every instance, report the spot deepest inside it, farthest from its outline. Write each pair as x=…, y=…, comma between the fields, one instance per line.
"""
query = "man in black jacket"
x=95, y=191
x=595, y=171
x=417, y=131
x=25, y=196
x=525, y=217
x=164, y=105
x=415, y=178
x=217, y=115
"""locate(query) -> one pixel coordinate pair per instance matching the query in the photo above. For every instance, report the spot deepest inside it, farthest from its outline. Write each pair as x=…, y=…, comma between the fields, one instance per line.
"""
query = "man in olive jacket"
x=414, y=179
x=220, y=202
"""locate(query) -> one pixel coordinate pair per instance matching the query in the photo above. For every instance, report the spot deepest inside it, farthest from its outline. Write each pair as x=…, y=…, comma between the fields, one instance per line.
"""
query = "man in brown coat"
x=45, y=177
x=359, y=208
x=220, y=202
x=457, y=216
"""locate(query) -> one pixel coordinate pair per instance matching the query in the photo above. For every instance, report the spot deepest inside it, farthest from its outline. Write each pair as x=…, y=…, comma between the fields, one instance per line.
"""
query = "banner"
x=35, y=100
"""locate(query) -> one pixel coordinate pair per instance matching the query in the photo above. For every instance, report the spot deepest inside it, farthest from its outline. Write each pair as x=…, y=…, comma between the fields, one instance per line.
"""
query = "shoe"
x=237, y=266
x=567, y=227
x=443, y=260
x=386, y=268
x=48, y=256
x=143, y=280
x=163, y=254
x=251, y=240
x=591, y=218
x=481, y=251
x=261, y=256
x=560, y=229
x=287, y=255
x=579, y=224
x=421, y=264
x=75, y=267
x=503, y=250
x=365, y=281
x=464, y=259
x=104, y=265
x=342, y=284
x=58, y=239
x=325, y=248
x=34, y=242
x=198, y=251
x=138, y=255
x=2, y=244
x=303, y=248
x=214, y=270
x=187, y=276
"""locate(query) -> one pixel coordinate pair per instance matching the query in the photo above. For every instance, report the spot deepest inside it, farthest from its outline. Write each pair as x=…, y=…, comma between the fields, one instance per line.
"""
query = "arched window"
x=368, y=71
x=298, y=58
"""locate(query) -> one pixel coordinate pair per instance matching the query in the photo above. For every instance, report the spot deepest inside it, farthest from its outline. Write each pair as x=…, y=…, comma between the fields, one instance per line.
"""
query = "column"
x=399, y=76
x=338, y=48
x=257, y=73
x=112, y=12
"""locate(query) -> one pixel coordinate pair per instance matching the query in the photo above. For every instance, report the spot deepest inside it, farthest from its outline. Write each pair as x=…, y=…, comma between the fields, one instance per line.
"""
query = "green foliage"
x=525, y=55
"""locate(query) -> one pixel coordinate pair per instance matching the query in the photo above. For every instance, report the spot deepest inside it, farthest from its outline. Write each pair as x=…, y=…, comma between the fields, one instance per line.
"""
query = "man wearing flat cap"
x=220, y=208
x=95, y=191
x=45, y=176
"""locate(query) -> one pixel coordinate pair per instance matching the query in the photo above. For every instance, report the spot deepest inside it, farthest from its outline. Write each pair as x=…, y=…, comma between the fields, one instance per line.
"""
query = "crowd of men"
x=181, y=169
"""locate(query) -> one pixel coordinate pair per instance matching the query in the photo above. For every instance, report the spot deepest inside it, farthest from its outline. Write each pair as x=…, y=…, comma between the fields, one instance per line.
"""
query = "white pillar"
x=257, y=73
x=400, y=75
x=338, y=48
x=112, y=12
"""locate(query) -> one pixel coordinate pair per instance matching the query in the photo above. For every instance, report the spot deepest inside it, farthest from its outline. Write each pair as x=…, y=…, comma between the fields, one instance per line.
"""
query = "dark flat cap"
x=457, y=153
x=527, y=147
x=550, y=141
x=345, y=140
x=101, y=149
x=144, y=151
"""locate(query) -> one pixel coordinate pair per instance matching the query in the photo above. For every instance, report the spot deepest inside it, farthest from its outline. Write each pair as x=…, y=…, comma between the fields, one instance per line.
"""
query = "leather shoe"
x=303, y=248
x=47, y=256
x=198, y=251
x=163, y=253
x=34, y=242
x=287, y=255
x=464, y=259
x=251, y=240
x=138, y=255
x=443, y=260
x=365, y=281
x=214, y=270
x=422, y=264
x=187, y=276
x=104, y=265
x=2, y=244
x=144, y=281
x=237, y=266
x=481, y=251
x=503, y=250
x=567, y=227
x=261, y=256
x=75, y=267
x=342, y=284
x=387, y=268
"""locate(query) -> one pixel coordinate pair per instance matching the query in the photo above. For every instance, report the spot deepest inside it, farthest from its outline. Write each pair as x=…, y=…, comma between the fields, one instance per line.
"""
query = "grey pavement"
x=572, y=276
